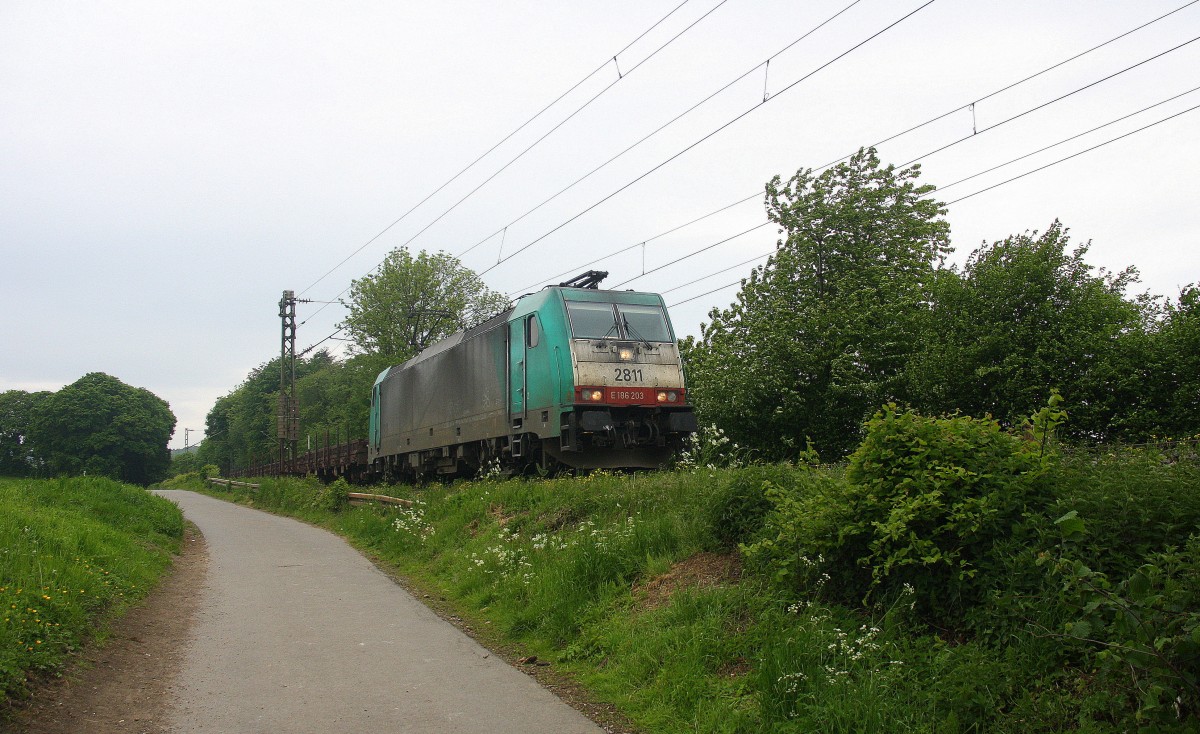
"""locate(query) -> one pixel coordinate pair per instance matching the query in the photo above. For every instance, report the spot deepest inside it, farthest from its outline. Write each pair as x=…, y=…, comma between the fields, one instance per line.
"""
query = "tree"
x=410, y=303
x=17, y=408
x=100, y=425
x=820, y=336
x=1180, y=339
x=334, y=396
x=1025, y=316
x=1165, y=365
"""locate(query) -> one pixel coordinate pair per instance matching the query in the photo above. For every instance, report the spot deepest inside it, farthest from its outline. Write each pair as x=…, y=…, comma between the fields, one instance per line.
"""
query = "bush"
x=923, y=504
x=931, y=498
x=739, y=508
x=332, y=497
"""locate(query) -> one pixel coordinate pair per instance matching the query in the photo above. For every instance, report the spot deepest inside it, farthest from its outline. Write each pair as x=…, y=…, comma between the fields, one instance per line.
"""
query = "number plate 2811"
x=624, y=374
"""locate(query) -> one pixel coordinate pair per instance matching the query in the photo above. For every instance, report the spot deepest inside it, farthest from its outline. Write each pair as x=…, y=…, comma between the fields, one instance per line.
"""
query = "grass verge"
x=73, y=553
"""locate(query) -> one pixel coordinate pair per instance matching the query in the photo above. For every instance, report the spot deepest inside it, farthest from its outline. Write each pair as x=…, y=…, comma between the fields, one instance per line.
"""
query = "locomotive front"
x=629, y=396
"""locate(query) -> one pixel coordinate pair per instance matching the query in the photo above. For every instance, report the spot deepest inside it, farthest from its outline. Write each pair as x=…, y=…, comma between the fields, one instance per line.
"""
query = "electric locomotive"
x=569, y=377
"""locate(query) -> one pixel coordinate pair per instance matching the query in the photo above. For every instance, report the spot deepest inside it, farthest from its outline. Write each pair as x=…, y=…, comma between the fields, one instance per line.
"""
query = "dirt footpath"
x=125, y=687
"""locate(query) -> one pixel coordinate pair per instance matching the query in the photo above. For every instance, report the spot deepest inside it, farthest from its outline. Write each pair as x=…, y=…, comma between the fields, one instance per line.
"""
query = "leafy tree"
x=820, y=336
x=1158, y=368
x=410, y=303
x=17, y=408
x=183, y=462
x=1177, y=346
x=334, y=396
x=100, y=425
x=1028, y=315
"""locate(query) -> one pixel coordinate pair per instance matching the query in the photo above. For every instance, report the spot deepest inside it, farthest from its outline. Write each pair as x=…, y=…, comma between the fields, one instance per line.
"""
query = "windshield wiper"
x=634, y=333
x=611, y=329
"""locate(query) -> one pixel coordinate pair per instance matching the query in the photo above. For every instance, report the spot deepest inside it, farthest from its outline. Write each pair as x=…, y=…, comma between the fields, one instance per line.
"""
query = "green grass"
x=72, y=553
x=591, y=574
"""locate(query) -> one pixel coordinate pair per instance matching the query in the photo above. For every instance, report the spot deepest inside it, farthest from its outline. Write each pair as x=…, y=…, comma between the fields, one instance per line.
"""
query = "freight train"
x=569, y=377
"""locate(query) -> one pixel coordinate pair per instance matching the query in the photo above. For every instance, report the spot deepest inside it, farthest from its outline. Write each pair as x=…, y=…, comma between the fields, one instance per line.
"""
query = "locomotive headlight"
x=667, y=396
x=594, y=396
x=625, y=354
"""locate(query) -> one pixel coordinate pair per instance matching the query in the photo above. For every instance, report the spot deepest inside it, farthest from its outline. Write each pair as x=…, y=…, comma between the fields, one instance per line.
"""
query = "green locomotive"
x=569, y=377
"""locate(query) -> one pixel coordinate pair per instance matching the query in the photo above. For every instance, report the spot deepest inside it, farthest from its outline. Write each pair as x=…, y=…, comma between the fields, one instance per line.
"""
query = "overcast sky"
x=167, y=169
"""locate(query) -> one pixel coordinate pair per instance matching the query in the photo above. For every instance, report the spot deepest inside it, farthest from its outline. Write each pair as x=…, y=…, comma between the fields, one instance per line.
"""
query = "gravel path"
x=297, y=632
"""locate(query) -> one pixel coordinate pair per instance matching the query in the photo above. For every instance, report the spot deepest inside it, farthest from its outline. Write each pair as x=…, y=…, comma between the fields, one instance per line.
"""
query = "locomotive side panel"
x=453, y=396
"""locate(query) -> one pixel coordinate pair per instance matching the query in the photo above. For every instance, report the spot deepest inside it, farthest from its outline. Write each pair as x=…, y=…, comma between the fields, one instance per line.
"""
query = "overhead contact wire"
x=962, y=180
x=963, y=107
x=552, y=130
x=714, y=132
x=597, y=70
x=667, y=124
x=1056, y=99
x=1074, y=155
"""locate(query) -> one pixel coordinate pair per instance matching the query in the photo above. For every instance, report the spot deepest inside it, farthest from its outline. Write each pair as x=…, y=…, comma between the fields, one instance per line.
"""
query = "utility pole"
x=289, y=408
x=186, y=431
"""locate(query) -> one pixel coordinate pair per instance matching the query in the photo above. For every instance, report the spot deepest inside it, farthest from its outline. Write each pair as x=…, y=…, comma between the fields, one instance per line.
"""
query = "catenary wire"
x=1007, y=87
x=989, y=188
x=1067, y=140
x=975, y=175
x=895, y=136
x=507, y=137
x=1046, y=104
x=956, y=142
x=711, y=134
x=552, y=130
x=755, y=195
x=962, y=198
x=665, y=125
x=693, y=254
x=543, y=137
x=1074, y=155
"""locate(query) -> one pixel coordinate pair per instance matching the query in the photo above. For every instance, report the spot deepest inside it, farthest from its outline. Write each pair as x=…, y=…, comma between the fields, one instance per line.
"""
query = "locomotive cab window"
x=644, y=323
x=531, y=332
x=593, y=320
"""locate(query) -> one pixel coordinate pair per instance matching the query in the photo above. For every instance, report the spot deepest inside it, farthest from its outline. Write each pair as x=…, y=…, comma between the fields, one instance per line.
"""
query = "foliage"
x=820, y=336
x=183, y=462
x=393, y=313
x=412, y=302
x=334, y=404
x=332, y=497
x=1026, y=315
x=17, y=408
x=1163, y=367
x=740, y=505
x=1144, y=629
x=924, y=503
x=75, y=552
x=100, y=425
